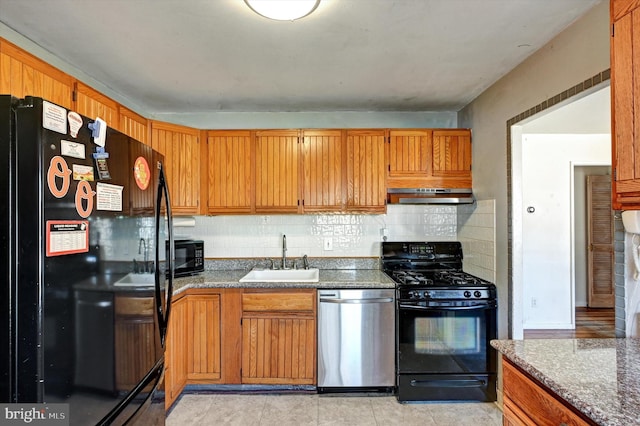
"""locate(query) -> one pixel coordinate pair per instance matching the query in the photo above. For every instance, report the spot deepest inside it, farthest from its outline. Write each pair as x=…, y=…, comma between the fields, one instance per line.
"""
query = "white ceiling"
x=194, y=56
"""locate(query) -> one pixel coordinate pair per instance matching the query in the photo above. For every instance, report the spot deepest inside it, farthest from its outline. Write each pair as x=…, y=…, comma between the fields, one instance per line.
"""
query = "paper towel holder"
x=631, y=221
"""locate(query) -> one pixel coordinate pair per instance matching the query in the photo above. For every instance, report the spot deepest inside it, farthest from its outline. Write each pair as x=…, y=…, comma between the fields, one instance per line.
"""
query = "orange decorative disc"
x=141, y=173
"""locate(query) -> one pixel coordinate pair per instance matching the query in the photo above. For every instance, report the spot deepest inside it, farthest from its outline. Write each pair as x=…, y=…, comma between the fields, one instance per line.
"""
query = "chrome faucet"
x=142, y=243
x=305, y=261
x=284, y=252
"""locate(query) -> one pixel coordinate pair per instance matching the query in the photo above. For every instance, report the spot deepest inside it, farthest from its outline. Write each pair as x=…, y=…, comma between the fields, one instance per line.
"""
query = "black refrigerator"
x=86, y=274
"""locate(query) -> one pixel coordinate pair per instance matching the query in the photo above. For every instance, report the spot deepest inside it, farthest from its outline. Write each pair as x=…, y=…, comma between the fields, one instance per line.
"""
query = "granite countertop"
x=329, y=278
x=599, y=377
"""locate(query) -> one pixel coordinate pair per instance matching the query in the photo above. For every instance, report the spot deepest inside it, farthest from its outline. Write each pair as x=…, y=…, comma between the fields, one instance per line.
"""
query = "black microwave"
x=189, y=257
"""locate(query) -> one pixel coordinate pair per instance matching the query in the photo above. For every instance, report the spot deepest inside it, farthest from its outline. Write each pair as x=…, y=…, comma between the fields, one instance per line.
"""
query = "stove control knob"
x=477, y=293
x=467, y=293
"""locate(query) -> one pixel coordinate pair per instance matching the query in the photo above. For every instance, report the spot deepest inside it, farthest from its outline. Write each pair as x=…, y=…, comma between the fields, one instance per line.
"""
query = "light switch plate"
x=328, y=243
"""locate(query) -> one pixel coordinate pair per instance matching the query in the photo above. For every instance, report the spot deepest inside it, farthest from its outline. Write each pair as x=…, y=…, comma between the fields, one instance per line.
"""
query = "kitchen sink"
x=282, y=275
x=137, y=280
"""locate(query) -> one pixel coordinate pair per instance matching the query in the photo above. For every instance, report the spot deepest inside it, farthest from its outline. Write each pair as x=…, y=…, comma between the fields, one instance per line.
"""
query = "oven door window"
x=444, y=340
x=449, y=334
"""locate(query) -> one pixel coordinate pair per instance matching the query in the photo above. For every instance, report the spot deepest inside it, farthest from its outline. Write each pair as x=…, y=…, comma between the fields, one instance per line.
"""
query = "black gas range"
x=445, y=320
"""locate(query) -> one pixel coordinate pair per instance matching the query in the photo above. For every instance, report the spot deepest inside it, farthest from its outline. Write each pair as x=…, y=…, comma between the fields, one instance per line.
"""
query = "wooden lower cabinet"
x=528, y=403
x=203, y=338
x=240, y=336
x=279, y=337
x=134, y=328
x=175, y=375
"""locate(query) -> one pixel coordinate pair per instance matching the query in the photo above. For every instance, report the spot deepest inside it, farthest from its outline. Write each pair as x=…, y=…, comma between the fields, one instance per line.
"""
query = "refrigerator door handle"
x=163, y=311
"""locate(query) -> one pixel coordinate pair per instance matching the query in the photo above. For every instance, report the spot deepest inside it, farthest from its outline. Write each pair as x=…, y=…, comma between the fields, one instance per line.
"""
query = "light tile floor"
x=313, y=409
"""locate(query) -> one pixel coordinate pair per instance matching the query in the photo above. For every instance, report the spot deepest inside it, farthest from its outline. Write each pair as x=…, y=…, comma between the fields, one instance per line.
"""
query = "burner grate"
x=411, y=278
x=459, y=278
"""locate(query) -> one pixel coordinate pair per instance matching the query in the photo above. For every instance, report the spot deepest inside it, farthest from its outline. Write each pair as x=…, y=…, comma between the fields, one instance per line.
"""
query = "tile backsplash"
x=350, y=235
x=477, y=232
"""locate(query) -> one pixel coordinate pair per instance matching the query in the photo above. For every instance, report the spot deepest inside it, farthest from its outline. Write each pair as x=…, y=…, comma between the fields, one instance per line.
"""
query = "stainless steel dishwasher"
x=356, y=340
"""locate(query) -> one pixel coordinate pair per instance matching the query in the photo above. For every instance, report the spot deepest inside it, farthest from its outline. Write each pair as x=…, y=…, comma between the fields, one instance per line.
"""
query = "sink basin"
x=137, y=280
x=281, y=275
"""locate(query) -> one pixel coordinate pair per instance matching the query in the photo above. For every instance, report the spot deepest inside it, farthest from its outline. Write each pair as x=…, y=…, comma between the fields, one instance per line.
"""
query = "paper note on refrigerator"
x=109, y=197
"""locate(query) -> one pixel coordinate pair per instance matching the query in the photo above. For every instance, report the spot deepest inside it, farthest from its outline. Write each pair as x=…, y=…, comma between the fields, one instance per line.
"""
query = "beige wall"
x=578, y=53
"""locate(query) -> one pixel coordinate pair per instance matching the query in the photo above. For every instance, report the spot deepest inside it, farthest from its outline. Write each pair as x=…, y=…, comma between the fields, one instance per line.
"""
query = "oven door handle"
x=448, y=308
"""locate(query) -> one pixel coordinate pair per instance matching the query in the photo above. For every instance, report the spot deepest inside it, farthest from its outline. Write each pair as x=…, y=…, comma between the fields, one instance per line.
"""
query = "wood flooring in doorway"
x=590, y=323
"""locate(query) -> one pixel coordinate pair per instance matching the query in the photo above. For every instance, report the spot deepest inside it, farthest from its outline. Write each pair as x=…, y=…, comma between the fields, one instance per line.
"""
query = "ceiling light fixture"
x=283, y=10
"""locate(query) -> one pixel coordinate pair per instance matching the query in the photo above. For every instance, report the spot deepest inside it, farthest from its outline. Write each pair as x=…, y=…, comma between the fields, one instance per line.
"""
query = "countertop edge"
x=342, y=279
x=506, y=348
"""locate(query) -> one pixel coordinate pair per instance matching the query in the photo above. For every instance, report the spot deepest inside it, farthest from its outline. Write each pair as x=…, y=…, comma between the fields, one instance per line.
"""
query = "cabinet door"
x=625, y=91
x=278, y=349
x=22, y=74
x=279, y=337
x=366, y=189
x=229, y=172
x=181, y=150
x=133, y=125
x=277, y=179
x=322, y=152
x=135, y=340
x=175, y=377
x=451, y=154
x=529, y=403
x=203, y=335
x=94, y=104
x=409, y=153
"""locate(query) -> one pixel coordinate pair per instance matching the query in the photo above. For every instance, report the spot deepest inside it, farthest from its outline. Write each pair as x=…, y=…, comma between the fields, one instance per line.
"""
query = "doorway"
x=547, y=301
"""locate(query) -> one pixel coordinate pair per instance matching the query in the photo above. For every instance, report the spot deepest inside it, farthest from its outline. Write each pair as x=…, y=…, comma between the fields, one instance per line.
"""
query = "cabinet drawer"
x=134, y=306
x=286, y=300
x=541, y=407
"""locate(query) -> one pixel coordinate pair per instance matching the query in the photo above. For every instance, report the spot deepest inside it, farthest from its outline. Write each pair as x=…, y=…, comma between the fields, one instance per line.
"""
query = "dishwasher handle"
x=358, y=301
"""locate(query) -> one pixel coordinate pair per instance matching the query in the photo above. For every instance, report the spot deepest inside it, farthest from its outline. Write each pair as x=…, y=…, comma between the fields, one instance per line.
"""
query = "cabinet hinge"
x=613, y=30
x=615, y=175
x=74, y=96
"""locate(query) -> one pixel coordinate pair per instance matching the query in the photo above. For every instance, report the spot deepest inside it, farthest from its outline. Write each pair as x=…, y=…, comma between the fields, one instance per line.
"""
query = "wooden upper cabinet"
x=451, y=153
x=22, y=74
x=276, y=174
x=93, y=104
x=409, y=152
x=426, y=158
x=134, y=125
x=323, y=171
x=229, y=174
x=180, y=146
x=625, y=105
x=366, y=171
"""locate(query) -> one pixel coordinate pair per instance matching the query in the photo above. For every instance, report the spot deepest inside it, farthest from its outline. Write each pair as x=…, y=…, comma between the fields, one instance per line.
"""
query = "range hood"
x=430, y=196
